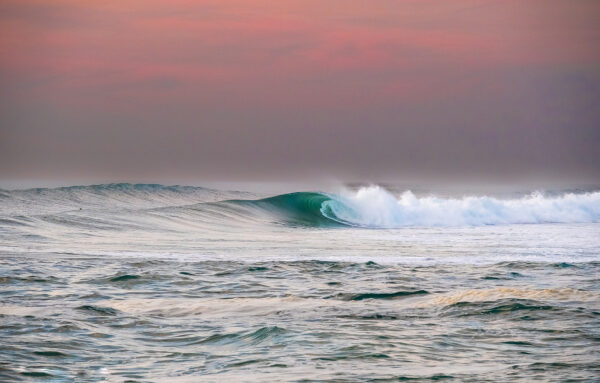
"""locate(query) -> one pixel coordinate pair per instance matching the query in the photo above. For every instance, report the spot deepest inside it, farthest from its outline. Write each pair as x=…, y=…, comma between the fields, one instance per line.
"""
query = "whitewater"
x=146, y=282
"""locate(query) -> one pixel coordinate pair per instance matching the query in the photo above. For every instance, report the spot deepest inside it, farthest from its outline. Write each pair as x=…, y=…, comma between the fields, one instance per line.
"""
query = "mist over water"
x=143, y=282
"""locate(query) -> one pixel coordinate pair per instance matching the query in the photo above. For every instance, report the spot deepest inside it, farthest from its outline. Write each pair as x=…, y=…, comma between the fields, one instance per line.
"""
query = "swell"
x=138, y=206
x=116, y=196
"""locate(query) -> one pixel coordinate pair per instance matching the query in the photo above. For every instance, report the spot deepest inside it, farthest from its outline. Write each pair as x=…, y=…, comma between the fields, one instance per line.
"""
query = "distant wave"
x=374, y=207
x=106, y=196
x=107, y=188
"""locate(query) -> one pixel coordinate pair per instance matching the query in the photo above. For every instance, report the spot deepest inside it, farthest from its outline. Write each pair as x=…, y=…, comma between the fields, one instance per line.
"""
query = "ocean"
x=152, y=283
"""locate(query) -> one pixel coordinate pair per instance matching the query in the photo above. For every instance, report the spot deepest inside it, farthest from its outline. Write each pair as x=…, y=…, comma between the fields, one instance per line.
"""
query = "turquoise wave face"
x=294, y=209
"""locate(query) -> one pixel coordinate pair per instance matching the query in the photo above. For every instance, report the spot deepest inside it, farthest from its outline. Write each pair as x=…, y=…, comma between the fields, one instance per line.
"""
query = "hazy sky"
x=268, y=90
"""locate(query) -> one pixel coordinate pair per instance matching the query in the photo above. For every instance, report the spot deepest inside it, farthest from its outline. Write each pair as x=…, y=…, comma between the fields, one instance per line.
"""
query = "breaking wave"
x=375, y=207
x=138, y=206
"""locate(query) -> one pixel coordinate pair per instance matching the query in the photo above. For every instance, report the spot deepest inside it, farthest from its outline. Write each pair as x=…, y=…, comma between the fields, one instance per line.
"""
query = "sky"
x=146, y=90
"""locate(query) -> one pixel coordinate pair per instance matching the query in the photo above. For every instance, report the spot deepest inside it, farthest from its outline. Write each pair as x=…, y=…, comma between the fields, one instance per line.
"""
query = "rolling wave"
x=122, y=206
x=374, y=207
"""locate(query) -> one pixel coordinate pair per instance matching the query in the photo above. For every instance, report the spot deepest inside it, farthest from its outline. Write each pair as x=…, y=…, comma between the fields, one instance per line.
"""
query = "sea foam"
x=376, y=207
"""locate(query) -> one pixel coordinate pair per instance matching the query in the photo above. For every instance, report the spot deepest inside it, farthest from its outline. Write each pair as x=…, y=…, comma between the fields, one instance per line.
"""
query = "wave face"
x=296, y=209
x=374, y=207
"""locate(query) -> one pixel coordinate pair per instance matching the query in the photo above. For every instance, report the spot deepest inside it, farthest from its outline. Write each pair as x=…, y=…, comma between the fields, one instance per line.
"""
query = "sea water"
x=151, y=283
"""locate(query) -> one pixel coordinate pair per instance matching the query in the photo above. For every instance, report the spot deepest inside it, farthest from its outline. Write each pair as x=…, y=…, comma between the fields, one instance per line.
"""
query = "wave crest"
x=375, y=207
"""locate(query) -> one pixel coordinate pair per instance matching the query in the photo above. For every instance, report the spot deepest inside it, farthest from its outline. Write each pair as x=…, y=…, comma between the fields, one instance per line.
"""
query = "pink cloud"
x=260, y=48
